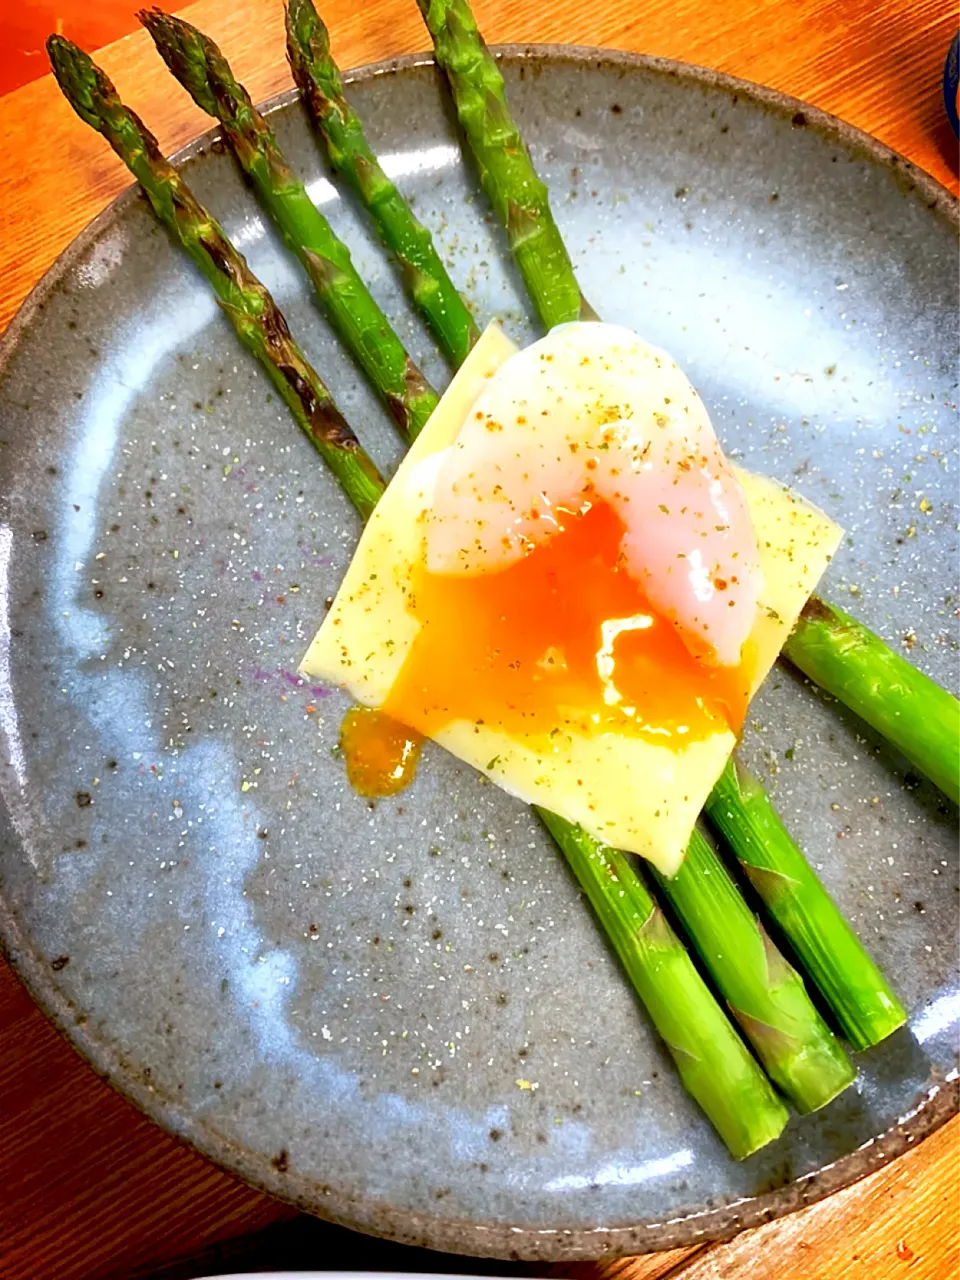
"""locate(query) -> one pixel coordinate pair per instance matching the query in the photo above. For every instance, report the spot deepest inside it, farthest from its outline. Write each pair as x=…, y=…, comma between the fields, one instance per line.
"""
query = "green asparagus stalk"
x=812, y=1087
x=433, y=292
x=505, y=169
x=309, y=53
x=469, y=65
x=857, y=992
x=250, y=308
x=712, y=1060
x=765, y=994
x=912, y=712
x=734, y=1092
x=203, y=71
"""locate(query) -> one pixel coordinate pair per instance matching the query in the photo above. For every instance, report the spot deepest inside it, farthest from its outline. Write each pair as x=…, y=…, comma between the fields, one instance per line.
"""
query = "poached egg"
x=565, y=653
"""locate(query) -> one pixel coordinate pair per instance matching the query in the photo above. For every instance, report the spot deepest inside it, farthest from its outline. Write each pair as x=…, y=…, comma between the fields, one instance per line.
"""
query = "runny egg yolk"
x=562, y=639
x=381, y=754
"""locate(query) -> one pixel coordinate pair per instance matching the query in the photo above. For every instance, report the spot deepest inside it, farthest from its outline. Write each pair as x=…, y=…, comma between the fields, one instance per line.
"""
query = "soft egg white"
x=592, y=413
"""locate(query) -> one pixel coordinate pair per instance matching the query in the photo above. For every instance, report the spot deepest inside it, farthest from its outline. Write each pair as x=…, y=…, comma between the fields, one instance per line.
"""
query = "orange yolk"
x=381, y=755
x=561, y=640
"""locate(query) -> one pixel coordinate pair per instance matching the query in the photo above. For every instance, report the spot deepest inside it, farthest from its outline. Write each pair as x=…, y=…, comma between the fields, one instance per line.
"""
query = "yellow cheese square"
x=629, y=792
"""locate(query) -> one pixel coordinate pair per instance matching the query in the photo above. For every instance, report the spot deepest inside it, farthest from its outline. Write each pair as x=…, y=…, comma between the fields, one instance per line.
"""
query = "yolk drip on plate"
x=381, y=754
x=562, y=639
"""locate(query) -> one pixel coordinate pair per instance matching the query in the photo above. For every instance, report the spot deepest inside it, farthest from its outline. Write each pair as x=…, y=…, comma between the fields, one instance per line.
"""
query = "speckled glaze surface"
x=338, y=1000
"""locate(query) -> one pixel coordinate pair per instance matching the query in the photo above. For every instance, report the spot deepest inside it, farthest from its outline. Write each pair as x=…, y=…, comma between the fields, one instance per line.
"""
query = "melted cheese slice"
x=629, y=792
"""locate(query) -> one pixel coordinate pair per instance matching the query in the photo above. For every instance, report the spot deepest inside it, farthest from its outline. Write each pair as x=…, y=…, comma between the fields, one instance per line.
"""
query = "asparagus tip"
x=302, y=12
x=61, y=53
x=307, y=35
x=192, y=56
x=160, y=26
x=88, y=89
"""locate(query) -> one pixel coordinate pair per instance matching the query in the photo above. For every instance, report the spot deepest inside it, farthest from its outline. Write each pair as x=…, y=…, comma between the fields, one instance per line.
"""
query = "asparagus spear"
x=765, y=994
x=809, y=1073
x=429, y=285
x=790, y=889
x=710, y=1057
x=912, y=712
x=203, y=71
x=503, y=163
x=732, y=1089
x=252, y=311
x=470, y=69
x=917, y=717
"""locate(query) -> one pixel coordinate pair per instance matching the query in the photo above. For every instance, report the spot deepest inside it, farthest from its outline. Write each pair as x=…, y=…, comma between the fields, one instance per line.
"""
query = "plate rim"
x=938, y=1104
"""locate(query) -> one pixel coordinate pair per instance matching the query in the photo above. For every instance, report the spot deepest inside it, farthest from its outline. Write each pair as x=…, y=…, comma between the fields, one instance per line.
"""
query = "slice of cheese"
x=628, y=792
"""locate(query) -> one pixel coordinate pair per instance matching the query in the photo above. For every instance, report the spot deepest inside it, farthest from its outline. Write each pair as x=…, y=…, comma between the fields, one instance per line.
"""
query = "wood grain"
x=90, y=1189
x=876, y=64
x=88, y=1186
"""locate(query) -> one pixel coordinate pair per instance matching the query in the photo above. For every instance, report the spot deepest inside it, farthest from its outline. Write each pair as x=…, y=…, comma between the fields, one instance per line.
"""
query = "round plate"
x=402, y=1016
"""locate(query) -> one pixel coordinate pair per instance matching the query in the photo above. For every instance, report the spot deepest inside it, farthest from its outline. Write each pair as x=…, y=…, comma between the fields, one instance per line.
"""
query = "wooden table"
x=88, y=1188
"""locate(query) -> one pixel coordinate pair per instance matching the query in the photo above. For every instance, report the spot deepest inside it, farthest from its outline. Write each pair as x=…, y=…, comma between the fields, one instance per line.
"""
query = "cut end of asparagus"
x=811, y=1071
x=714, y=1064
x=765, y=993
x=879, y=1023
x=913, y=713
x=865, y=1007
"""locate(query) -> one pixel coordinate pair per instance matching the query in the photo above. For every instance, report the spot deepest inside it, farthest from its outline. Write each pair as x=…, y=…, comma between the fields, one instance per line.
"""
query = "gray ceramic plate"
x=337, y=1000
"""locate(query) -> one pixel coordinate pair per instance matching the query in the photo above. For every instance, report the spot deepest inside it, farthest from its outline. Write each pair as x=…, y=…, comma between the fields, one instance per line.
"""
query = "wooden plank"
x=90, y=1186
x=651, y=1266
x=877, y=65
x=902, y=1221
